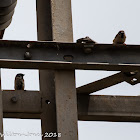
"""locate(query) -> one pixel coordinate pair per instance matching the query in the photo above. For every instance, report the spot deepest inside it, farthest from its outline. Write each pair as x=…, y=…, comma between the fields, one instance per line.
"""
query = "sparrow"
x=85, y=40
x=19, y=82
x=120, y=38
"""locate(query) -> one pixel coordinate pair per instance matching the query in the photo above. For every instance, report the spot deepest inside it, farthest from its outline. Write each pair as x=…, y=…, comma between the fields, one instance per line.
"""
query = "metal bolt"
x=28, y=46
x=14, y=99
x=27, y=55
x=68, y=58
x=88, y=48
x=134, y=80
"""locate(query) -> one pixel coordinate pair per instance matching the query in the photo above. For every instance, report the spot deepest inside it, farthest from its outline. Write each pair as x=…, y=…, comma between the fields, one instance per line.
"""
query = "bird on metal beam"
x=120, y=38
x=19, y=82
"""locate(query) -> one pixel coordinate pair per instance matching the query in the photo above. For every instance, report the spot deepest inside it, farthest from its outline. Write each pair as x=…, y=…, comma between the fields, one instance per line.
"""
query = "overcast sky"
x=98, y=19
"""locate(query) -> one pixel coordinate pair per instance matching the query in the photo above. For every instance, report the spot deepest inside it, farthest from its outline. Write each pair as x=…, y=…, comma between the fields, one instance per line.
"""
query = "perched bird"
x=120, y=38
x=85, y=40
x=19, y=82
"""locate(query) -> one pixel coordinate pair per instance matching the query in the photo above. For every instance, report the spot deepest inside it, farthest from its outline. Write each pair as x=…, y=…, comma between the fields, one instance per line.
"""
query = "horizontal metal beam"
x=21, y=104
x=22, y=115
x=90, y=107
x=109, y=108
x=55, y=55
x=109, y=81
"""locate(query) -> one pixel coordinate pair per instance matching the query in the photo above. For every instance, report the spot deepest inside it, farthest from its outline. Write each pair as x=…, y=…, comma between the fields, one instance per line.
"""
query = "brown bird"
x=120, y=38
x=85, y=40
x=19, y=82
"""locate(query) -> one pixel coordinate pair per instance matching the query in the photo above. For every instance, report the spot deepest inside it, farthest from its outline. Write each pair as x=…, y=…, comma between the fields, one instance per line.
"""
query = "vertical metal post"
x=57, y=87
x=66, y=104
x=1, y=111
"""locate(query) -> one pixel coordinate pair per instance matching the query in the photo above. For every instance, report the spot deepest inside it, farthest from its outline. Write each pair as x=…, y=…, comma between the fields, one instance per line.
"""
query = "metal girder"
x=66, y=104
x=109, y=81
x=54, y=55
x=55, y=23
x=109, y=108
x=22, y=104
x=20, y=101
x=90, y=107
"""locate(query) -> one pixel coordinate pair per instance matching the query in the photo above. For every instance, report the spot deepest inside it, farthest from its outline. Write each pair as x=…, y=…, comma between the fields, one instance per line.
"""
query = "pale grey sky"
x=100, y=20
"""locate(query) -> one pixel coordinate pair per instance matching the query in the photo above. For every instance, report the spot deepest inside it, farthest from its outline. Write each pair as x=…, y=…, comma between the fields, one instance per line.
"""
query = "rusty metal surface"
x=44, y=30
x=108, y=82
x=109, y=108
x=61, y=20
x=54, y=23
x=44, y=20
x=66, y=104
x=47, y=88
x=26, y=104
x=20, y=101
x=90, y=107
x=103, y=57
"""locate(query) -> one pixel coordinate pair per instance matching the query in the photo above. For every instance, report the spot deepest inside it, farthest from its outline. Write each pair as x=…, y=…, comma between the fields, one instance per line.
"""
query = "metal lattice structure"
x=58, y=103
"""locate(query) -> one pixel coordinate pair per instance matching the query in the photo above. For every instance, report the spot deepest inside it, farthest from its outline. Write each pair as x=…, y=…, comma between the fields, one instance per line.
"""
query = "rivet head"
x=14, y=99
x=28, y=46
x=27, y=55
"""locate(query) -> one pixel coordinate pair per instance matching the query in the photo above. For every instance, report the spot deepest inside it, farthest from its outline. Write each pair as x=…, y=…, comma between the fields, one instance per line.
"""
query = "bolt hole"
x=48, y=101
x=134, y=80
x=68, y=58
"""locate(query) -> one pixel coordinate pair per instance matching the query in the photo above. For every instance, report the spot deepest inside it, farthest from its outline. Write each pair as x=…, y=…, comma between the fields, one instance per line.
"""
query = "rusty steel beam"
x=108, y=82
x=66, y=104
x=22, y=104
x=54, y=55
x=109, y=108
x=44, y=30
x=90, y=107
x=20, y=101
x=55, y=23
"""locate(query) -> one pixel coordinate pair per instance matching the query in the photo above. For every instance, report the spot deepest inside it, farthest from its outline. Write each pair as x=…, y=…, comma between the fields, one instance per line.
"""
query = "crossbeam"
x=22, y=104
x=55, y=55
x=108, y=82
x=90, y=107
x=109, y=108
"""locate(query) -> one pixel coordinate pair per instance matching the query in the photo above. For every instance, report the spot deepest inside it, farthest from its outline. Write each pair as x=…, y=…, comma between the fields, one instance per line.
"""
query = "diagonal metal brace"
x=109, y=81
